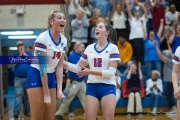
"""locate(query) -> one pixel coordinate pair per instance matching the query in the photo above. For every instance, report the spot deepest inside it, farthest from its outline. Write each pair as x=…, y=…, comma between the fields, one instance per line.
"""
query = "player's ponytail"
x=112, y=37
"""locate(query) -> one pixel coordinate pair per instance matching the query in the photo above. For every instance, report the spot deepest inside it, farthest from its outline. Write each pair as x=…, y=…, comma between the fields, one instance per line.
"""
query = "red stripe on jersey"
x=40, y=45
x=114, y=55
x=84, y=56
x=176, y=58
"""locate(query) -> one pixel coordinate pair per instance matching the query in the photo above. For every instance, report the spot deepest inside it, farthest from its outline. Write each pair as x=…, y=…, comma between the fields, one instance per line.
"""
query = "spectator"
x=119, y=19
x=80, y=28
x=93, y=21
x=20, y=71
x=134, y=77
x=104, y=6
x=158, y=12
x=174, y=39
x=171, y=15
x=75, y=84
x=154, y=89
x=137, y=8
x=81, y=5
x=148, y=6
x=136, y=34
x=165, y=37
x=126, y=51
x=71, y=9
x=166, y=57
x=151, y=58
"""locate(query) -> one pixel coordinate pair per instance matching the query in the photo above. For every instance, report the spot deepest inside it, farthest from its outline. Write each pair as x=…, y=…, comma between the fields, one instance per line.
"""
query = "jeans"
x=153, y=65
x=154, y=99
x=20, y=96
x=170, y=94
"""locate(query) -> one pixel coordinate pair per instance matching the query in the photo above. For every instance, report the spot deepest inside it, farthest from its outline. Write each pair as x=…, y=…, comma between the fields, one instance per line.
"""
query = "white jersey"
x=176, y=57
x=54, y=50
x=99, y=60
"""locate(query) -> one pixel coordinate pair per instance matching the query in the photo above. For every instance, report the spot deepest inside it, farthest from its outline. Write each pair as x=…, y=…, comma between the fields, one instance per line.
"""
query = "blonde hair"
x=51, y=17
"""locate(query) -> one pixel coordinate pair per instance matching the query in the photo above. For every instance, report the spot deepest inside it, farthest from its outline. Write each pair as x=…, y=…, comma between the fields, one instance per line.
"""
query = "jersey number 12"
x=97, y=62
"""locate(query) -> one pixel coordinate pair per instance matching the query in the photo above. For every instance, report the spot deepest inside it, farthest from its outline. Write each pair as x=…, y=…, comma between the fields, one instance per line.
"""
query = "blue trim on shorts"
x=34, y=79
x=99, y=90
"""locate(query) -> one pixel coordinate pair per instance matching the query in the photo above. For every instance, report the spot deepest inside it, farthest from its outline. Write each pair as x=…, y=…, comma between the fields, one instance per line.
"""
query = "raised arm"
x=144, y=9
x=160, y=28
x=129, y=11
x=162, y=57
x=139, y=70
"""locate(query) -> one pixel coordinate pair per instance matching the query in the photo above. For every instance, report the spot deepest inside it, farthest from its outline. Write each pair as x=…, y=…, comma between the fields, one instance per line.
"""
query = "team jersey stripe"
x=176, y=58
x=40, y=45
x=114, y=55
x=64, y=49
x=84, y=56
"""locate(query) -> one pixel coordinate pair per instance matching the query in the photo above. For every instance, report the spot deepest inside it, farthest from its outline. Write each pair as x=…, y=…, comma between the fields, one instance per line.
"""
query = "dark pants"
x=170, y=94
x=138, y=48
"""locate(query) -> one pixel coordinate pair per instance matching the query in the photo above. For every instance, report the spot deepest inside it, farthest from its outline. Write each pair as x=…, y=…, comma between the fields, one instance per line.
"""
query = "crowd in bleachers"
x=145, y=29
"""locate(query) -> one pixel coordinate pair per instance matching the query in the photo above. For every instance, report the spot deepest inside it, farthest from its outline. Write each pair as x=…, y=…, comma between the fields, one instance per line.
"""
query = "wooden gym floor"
x=79, y=114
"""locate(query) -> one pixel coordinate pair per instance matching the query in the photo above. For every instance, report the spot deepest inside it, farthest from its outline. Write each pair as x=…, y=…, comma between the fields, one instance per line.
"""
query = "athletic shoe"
x=59, y=117
x=71, y=114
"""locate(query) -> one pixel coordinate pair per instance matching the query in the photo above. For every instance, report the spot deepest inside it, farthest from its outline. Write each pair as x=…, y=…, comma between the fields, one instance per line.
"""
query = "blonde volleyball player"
x=102, y=58
x=41, y=85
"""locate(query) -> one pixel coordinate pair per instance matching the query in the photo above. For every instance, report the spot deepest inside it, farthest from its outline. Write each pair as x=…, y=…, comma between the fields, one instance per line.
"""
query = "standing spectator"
x=71, y=9
x=104, y=6
x=134, y=78
x=158, y=12
x=93, y=21
x=137, y=8
x=154, y=89
x=148, y=6
x=82, y=5
x=174, y=39
x=171, y=15
x=20, y=71
x=165, y=37
x=119, y=19
x=126, y=51
x=80, y=28
x=166, y=57
x=137, y=24
x=75, y=84
x=151, y=58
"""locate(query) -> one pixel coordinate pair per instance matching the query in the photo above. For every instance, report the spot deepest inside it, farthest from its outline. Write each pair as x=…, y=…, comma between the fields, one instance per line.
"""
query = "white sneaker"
x=71, y=114
x=171, y=112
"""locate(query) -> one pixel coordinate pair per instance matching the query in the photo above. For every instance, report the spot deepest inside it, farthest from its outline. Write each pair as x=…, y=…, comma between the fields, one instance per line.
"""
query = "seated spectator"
x=126, y=51
x=136, y=34
x=118, y=86
x=171, y=15
x=151, y=58
x=154, y=89
x=119, y=19
x=166, y=57
x=134, y=77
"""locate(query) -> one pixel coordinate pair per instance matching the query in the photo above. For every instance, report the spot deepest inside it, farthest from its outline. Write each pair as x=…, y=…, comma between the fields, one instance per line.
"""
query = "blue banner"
x=23, y=60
